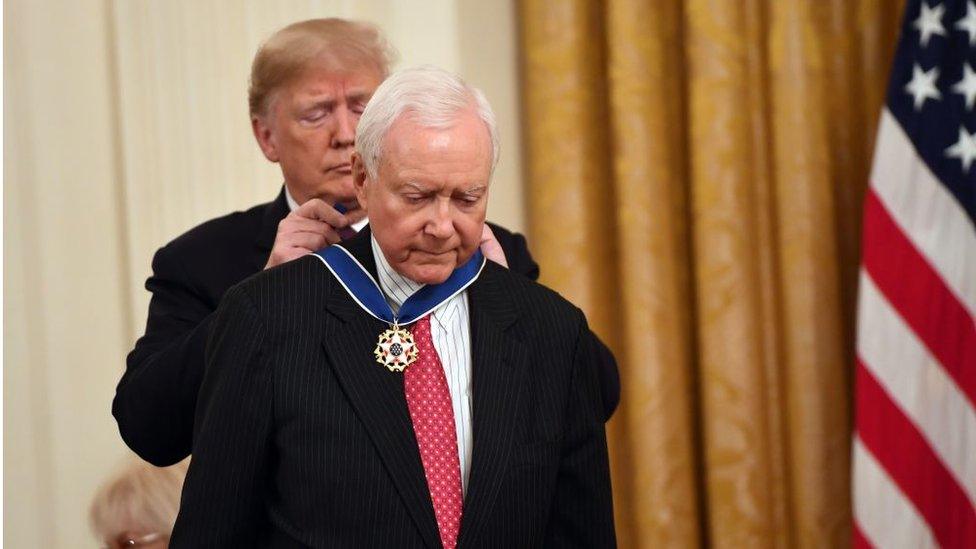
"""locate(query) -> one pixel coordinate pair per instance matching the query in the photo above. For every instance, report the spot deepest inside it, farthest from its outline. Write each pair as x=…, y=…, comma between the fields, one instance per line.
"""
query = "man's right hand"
x=311, y=227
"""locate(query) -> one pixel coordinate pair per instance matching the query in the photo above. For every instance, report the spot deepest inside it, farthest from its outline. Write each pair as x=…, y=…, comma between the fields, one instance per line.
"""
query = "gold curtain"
x=695, y=172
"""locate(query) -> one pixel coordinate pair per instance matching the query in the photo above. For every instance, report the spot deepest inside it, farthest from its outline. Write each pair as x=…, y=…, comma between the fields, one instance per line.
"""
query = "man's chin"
x=429, y=274
x=337, y=190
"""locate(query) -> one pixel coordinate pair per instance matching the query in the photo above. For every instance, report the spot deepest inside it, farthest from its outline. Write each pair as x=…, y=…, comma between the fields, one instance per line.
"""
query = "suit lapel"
x=498, y=363
x=377, y=394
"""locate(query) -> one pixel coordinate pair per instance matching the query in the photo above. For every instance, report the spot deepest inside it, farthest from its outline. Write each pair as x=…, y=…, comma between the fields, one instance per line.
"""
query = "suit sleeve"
x=155, y=399
x=609, y=376
x=582, y=506
x=222, y=503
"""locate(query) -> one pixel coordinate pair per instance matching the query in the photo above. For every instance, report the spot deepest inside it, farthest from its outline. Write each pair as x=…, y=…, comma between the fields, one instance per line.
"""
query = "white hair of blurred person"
x=432, y=97
x=137, y=506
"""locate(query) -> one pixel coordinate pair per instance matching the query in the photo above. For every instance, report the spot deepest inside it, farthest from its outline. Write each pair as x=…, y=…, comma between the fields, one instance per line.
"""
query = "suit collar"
x=360, y=248
x=491, y=296
x=274, y=212
x=338, y=301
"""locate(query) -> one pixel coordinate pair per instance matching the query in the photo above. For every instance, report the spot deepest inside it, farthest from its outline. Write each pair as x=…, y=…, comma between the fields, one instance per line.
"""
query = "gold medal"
x=395, y=349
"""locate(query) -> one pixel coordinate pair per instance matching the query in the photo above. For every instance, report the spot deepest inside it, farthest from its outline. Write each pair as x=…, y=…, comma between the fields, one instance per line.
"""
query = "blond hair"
x=138, y=498
x=337, y=43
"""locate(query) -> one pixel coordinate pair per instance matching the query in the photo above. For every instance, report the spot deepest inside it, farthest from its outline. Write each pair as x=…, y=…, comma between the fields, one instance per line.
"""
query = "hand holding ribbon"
x=312, y=226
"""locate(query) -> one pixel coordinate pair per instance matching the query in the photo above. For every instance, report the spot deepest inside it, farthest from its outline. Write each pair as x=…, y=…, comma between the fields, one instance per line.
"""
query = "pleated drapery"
x=694, y=175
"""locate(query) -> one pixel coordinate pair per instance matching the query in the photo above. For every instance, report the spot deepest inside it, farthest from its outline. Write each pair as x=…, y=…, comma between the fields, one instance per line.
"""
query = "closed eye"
x=469, y=198
x=314, y=116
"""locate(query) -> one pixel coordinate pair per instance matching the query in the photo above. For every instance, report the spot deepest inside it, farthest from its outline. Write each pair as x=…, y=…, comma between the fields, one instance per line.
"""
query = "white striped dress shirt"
x=450, y=328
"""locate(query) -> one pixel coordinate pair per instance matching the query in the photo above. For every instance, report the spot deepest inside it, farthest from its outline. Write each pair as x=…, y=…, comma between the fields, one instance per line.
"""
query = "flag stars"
x=922, y=86
x=968, y=23
x=967, y=86
x=929, y=22
x=964, y=149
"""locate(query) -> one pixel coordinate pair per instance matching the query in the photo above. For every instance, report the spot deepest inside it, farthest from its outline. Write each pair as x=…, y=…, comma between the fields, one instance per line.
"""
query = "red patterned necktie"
x=429, y=401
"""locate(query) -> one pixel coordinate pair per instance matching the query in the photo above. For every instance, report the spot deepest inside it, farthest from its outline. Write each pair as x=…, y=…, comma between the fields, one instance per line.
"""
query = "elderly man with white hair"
x=398, y=389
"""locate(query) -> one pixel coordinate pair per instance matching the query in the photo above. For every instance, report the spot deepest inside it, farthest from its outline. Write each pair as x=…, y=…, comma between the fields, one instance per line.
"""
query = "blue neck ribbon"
x=367, y=294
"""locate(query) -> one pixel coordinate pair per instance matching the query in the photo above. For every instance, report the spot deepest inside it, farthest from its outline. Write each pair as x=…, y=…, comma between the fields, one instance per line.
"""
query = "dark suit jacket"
x=156, y=397
x=302, y=439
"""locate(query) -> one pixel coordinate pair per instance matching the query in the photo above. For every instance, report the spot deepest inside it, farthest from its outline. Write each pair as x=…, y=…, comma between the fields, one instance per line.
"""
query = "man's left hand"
x=491, y=248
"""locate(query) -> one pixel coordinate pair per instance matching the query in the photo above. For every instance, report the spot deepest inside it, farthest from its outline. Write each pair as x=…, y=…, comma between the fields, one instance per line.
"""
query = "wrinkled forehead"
x=333, y=81
x=462, y=133
x=338, y=60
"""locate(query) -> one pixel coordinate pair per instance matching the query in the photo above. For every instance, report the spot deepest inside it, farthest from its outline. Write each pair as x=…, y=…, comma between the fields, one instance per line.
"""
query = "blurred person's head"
x=425, y=150
x=310, y=82
x=137, y=506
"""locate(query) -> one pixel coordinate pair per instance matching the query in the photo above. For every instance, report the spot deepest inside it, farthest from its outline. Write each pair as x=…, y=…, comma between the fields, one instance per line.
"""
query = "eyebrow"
x=328, y=101
x=359, y=95
x=421, y=188
x=414, y=186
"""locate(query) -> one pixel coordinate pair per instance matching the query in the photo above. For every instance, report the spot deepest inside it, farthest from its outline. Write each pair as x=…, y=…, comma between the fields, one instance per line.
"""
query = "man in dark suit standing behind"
x=309, y=84
x=397, y=389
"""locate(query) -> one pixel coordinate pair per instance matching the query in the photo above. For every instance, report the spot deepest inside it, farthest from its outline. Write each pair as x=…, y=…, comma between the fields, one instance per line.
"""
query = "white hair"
x=433, y=96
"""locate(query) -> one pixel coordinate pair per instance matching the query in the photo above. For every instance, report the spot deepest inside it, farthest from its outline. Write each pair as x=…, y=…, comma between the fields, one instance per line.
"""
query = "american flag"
x=914, y=449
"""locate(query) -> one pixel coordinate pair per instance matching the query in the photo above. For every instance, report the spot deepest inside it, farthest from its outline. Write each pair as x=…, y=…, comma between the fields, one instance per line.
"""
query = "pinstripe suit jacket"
x=302, y=439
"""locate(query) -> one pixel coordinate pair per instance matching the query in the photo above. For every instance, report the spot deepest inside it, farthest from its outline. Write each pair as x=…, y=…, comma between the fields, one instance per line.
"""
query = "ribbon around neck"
x=364, y=290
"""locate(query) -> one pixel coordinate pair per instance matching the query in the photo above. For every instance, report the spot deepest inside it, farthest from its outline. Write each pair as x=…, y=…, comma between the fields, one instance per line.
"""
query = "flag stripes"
x=924, y=393
x=897, y=443
x=927, y=213
x=884, y=517
x=920, y=295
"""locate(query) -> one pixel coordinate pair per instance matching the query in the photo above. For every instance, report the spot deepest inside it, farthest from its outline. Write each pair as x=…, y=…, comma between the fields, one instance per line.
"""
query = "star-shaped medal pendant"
x=395, y=349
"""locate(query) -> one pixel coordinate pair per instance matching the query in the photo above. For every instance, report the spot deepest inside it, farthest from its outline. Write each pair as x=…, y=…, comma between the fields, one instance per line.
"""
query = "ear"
x=359, y=179
x=265, y=137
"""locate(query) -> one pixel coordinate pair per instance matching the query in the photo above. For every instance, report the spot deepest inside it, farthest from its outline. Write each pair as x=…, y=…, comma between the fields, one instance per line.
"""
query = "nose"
x=440, y=225
x=344, y=132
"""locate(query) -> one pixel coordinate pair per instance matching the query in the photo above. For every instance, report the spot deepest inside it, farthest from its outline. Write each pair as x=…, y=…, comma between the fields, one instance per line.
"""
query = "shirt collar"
x=292, y=204
x=397, y=288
